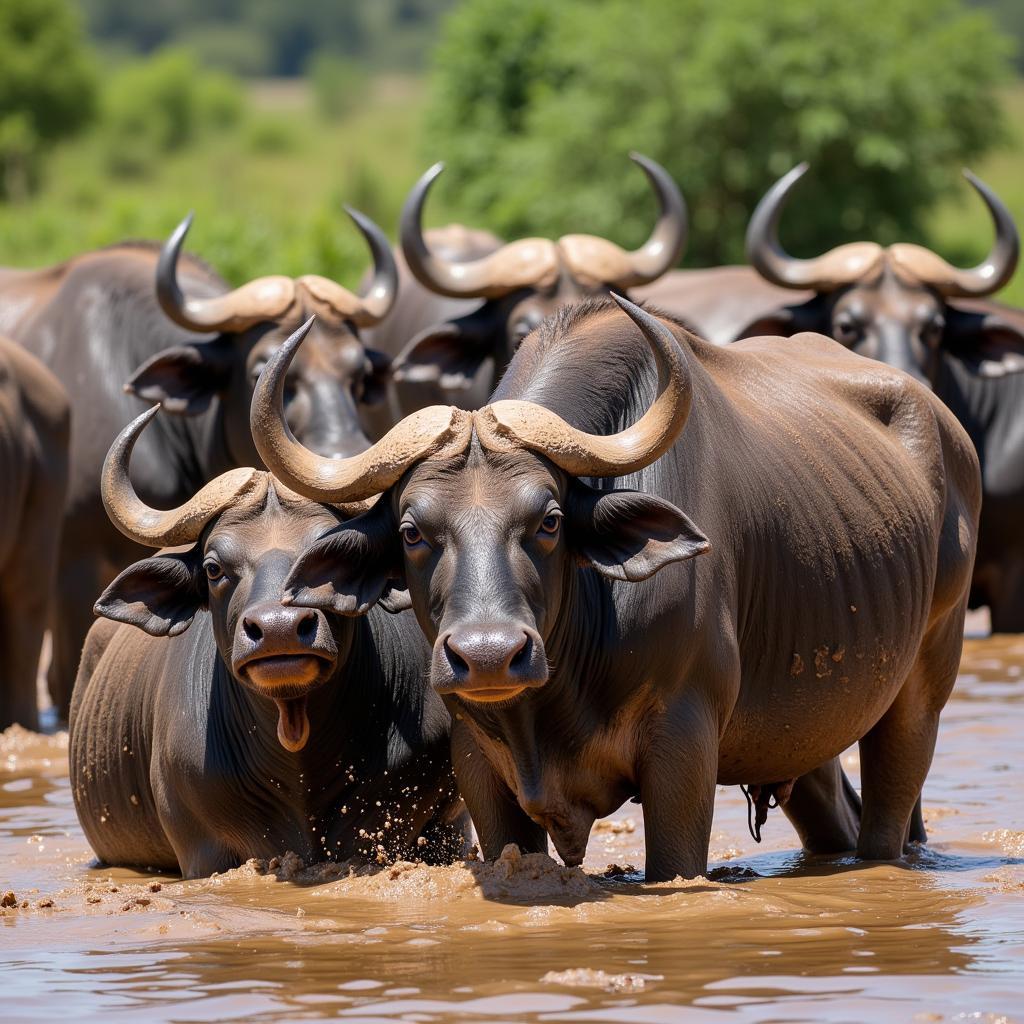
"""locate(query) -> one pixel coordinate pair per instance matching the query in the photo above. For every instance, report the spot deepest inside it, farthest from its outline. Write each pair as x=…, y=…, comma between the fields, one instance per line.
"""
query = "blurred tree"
x=47, y=86
x=535, y=105
x=153, y=107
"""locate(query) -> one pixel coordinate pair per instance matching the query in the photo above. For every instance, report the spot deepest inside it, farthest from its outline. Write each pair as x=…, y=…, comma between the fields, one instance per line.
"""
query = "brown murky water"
x=772, y=936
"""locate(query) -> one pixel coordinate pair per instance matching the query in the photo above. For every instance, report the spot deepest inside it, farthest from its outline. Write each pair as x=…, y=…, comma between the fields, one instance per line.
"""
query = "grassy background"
x=268, y=192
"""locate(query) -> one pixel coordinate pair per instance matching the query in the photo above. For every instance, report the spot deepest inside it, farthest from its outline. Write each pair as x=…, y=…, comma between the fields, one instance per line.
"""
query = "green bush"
x=47, y=86
x=160, y=105
x=534, y=106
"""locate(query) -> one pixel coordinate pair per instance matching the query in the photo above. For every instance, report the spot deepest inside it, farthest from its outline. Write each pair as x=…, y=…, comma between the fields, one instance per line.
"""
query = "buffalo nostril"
x=521, y=656
x=459, y=664
x=252, y=630
x=306, y=627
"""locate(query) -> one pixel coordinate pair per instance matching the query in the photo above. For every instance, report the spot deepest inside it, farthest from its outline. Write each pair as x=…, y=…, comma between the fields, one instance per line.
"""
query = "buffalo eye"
x=410, y=534
x=257, y=369
x=550, y=523
x=214, y=571
x=847, y=329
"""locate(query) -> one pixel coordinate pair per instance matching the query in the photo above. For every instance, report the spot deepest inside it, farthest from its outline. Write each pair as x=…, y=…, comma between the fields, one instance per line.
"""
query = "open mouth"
x=283, y=678
x=491, y=694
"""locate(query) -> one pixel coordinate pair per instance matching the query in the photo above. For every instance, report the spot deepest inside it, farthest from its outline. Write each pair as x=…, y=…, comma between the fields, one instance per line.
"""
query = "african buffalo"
x=33, y=480
x=907, y=307
x=456, y=352
x=192, y=747
x=97, y=322
x=816, y=597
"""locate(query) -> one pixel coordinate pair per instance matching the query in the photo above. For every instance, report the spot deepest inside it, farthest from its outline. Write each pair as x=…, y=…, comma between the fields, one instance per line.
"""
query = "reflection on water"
x=772, y=935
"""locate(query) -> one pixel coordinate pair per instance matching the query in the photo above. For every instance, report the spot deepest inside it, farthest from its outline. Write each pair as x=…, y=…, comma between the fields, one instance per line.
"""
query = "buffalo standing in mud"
x=97, y=323
x=33, y=479
x=907, y=307
x=467, y=301
x=596, y=644
x=192, y=747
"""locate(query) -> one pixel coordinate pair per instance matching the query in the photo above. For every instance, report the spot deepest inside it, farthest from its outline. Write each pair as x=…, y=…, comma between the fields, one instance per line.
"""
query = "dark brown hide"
x=33, y=481
x=95, y=322
x=239, y=727
x=841, y=501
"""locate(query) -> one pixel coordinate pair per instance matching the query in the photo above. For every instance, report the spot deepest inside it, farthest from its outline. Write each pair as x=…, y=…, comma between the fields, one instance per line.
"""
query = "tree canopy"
x=535, y=105
x=47, y=85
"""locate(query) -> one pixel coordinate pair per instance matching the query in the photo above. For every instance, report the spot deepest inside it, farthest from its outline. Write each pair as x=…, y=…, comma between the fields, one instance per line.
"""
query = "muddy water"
x=770, y=936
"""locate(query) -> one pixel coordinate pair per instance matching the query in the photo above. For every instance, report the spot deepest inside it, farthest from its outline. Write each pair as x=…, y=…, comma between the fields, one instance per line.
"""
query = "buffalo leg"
x=918, y=833
x=79, y=584
x=1006, y=596
x=896, y=754
x=497, y=816
x=677, y=788
x=22, y=624
x=824, y=808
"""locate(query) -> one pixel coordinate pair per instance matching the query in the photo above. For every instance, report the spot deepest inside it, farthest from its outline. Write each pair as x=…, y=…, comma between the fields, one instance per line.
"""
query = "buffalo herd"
x=516, y=533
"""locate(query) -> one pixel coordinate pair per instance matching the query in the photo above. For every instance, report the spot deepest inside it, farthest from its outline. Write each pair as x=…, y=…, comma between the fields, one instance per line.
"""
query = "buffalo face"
x=335, y=376
x=245, y=532
x=484, y=520
x=488, y=547
x=896, y=323
x=898, y=304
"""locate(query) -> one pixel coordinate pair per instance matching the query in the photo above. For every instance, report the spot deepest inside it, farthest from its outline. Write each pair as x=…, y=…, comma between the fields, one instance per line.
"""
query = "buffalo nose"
x=490, y=651
x=490, y=656
x=272, y=625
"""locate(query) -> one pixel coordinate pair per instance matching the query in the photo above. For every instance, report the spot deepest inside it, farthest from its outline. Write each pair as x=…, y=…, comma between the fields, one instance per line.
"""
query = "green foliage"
x=267, y=192
x=47, y=86
x=339, y=84
x=154, y=107
x=535, y=105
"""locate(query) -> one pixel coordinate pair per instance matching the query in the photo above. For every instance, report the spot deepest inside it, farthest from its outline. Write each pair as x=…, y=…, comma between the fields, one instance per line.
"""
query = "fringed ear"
x=184, y=379
x=629, y=536
x=451, y=354
x=991, y=341
x=350, y=569
x=160, y=595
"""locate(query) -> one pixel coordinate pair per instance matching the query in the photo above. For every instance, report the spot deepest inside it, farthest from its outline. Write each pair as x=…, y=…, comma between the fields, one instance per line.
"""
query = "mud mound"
x=514, y=877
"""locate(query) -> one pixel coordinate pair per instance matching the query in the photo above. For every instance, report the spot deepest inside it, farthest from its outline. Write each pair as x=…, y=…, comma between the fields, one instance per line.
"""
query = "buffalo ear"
x=785, y=321
x=627, y=535
x=988, y=340
x=185, y=378
x=351, y=568
x=160, y=595
x=375, y=383
x=449, y=354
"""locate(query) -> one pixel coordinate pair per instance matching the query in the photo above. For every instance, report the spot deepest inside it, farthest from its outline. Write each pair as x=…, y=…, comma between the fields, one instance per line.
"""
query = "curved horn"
x=152, y=527
x=583, y=454
x=597, y=260
x=337, y=481
x=839, y=266
x=528, y=261
x=994, y=271
x=262, y=299
x=375, y=302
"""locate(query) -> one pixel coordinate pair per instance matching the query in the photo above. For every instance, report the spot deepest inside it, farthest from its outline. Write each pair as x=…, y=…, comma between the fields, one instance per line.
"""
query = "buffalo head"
x=243, y=532
x=485, y=519
x=523, y=282
x=335, y=376
x=893, y=304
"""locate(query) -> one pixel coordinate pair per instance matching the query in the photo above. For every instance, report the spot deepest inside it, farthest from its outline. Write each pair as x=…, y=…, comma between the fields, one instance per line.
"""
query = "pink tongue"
x=292, y=723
